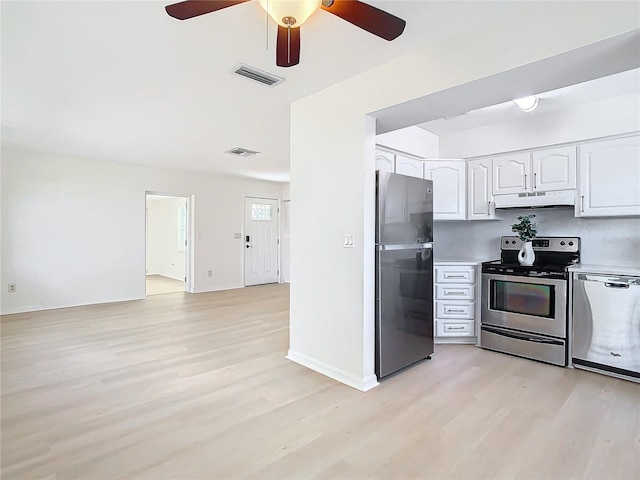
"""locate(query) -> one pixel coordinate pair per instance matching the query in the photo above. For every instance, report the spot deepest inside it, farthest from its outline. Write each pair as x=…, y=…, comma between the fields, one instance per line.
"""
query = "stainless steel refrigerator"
x=404, y=271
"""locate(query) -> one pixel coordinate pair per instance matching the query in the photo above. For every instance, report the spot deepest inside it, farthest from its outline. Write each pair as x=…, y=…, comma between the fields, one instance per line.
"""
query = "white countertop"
x=457, y=262
x=606, y=269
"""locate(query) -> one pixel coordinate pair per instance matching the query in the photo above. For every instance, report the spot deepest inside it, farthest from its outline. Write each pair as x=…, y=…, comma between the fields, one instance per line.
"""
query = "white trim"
x=219, y=288
x=395, y=151
x=41, y=307
x=573, y=143
x=362, y=384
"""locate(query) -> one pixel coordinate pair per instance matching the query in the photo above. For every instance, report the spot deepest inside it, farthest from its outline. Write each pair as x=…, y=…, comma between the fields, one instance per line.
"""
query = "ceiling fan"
x=290, y=14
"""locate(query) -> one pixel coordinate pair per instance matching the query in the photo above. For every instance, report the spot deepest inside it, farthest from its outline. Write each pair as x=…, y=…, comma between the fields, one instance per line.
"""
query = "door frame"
x=278, y=243
x=189, y=235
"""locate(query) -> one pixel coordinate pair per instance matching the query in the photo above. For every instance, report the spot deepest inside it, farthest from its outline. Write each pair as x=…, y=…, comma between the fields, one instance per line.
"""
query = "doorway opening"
x=261, y=241
x=167, y=245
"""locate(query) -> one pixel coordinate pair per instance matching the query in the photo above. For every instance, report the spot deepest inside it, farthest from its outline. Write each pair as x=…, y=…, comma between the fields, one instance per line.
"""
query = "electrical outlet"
x=12, y=288
x=210, y=273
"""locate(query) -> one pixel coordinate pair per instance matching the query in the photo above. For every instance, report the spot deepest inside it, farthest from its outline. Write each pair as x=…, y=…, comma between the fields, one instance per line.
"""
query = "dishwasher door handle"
x=616, y=285
x=613, y=281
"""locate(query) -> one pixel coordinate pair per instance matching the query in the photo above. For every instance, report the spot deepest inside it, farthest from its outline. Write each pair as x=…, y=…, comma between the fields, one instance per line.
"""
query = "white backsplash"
x=604, y=241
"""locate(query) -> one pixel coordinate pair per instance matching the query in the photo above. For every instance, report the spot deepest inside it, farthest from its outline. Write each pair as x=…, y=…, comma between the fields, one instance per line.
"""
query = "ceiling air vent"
x=456, y=115
x=257, y=75
x=241, y=152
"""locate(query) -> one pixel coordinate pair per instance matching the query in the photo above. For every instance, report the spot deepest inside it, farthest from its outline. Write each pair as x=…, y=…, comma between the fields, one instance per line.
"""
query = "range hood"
x=559, y=198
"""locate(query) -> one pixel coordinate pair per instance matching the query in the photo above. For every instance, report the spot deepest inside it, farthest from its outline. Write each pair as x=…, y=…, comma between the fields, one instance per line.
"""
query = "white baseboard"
x=40, y=307
x=218, y=289
x=362, y=384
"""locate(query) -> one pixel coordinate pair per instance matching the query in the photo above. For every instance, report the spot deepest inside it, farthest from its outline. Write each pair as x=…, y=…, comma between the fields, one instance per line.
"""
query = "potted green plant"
x=527, y=231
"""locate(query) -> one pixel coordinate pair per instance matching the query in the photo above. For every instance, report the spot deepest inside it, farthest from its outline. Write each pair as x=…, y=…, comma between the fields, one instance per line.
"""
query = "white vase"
x=526, y=255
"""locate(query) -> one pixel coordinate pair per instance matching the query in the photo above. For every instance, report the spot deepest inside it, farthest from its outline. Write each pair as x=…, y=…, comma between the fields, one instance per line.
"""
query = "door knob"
x=249, y=246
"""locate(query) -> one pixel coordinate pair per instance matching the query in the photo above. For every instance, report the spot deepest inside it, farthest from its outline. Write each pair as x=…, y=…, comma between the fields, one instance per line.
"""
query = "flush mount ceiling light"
x=527, y=104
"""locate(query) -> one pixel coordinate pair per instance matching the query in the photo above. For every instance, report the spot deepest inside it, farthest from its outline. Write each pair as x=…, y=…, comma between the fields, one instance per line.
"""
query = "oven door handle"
x=521, y=336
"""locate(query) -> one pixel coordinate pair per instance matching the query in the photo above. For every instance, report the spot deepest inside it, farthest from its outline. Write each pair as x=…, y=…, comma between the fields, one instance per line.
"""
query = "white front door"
x=260, y=241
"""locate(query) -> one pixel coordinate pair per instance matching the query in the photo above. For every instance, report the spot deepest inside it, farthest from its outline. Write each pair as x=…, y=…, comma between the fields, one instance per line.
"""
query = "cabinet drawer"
x=455, y=328
x=455, y=310
x=451, y=274
x=455, y=292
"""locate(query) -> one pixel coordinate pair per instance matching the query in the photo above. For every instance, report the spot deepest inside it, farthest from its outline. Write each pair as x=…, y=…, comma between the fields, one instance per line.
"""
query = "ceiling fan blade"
x=288, y=46
x=193, y=8
x=367, y=17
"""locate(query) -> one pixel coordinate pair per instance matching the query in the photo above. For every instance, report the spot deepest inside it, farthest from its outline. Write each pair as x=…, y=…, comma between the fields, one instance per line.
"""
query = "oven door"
x=528, y=304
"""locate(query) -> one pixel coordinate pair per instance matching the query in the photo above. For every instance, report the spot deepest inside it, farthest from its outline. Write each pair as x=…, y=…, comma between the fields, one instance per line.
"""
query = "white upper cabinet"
x=545, y=170
x=554, y=169
x=449, y=188
x=390, y=161
x=385, y=161
x=480, y=204
x=609, y=178
x=408, y=166
x=511, y=173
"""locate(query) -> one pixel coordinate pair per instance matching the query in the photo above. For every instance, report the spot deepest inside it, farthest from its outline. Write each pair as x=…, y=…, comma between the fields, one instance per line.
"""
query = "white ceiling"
x=123, y=81
x=606, y=87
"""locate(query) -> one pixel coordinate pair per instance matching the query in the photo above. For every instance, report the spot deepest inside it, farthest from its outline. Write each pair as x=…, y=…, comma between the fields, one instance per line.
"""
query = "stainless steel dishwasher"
x=606, y=324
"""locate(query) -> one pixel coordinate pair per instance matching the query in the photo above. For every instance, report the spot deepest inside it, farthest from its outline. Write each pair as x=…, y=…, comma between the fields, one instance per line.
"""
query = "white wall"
x=286, y=191
x=413, y=140
x=73, y=230
x=164, y=257
x=604, y=241
x=565, y=125
x=332, y=174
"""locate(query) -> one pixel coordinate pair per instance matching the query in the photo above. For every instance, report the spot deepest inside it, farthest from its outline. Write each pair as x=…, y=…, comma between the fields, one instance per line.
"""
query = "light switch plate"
x=348, y=241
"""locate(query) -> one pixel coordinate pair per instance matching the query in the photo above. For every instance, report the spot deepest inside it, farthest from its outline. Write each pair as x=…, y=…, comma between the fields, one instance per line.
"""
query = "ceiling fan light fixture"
x=288, y=13
x=527, y=104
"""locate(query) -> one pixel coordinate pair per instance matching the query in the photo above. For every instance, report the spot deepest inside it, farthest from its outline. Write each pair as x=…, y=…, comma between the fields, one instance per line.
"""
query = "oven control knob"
x=513, y=242
x=571, y=244
x=507, y=242
x=562, y=243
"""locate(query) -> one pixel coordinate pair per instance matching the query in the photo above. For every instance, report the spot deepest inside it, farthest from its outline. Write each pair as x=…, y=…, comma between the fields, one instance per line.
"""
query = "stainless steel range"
x=524, y=308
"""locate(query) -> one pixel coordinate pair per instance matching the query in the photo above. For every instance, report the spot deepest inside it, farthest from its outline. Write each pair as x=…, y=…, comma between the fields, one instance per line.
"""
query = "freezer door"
x=404, y=209
x=404, y=308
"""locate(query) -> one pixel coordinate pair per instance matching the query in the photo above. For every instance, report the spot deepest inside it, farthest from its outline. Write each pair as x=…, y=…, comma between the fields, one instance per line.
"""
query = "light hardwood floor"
x=197, y=387
x=158, y=285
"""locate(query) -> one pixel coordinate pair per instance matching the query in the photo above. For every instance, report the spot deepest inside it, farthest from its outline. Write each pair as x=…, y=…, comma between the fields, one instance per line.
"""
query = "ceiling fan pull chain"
x=267, y=17
x=289, y=43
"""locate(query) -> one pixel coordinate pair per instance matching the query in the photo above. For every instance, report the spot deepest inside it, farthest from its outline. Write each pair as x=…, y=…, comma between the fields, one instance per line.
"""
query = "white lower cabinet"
x=456, y=305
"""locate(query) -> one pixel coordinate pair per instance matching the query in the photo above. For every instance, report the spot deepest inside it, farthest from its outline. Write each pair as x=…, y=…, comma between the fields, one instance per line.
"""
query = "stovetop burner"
x=553, y=256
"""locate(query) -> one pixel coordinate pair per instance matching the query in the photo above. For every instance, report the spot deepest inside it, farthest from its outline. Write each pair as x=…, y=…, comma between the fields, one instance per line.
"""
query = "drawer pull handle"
x=454, y=310
x=455, y=293
x=455, y=328
x=454, y=276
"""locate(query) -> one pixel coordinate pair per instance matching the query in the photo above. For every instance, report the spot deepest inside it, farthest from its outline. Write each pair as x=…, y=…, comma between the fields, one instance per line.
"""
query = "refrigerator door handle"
x=405, y=246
